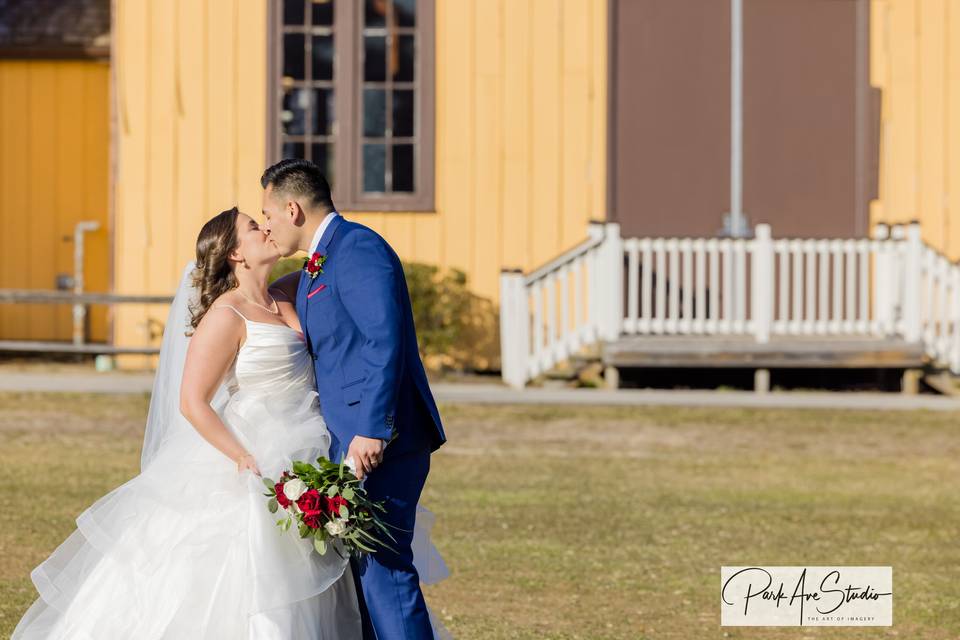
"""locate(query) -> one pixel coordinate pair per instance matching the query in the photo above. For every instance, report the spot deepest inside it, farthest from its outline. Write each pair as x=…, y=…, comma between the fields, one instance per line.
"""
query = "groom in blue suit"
x=354, y=310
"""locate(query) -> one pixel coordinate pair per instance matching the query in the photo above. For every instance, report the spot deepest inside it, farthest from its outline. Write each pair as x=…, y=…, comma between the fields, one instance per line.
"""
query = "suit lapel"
x=308, y=285
x=302, y=287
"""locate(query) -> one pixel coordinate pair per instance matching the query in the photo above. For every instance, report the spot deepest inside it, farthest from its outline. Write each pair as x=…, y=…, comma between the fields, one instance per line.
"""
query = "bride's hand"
x=247, y=462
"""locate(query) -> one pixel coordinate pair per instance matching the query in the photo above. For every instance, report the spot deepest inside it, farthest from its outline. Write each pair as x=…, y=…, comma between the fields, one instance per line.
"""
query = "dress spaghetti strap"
x=231, y=307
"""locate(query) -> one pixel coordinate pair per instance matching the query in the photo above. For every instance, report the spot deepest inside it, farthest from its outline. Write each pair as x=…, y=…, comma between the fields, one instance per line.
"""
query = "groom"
x=354, y=309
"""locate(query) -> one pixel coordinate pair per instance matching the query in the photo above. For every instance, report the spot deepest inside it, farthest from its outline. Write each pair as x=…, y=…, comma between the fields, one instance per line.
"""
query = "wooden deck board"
x=780, y=352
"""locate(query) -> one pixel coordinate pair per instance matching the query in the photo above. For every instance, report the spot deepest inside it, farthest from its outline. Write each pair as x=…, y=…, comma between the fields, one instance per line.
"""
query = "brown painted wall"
x=671, y=116
x=800, y=91
x=802, y=168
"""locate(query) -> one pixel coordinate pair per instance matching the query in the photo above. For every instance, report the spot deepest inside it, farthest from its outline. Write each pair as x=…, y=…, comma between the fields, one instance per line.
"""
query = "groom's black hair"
x=301, y=178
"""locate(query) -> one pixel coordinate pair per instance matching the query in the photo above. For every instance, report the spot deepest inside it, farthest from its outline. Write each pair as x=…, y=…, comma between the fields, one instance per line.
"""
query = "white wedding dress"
x=188, y=549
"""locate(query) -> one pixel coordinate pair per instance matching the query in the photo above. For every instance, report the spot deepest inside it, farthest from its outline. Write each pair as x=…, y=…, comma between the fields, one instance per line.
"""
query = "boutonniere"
x=313, y=266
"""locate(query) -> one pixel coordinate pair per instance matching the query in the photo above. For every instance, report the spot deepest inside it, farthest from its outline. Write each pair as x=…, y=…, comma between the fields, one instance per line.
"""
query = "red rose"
x=314, y=264
x=282, y=500
x=333, y=504
x=310, y=504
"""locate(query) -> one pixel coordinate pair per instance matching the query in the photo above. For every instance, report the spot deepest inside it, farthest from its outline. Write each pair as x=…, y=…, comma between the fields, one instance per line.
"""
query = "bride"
x=188, y=549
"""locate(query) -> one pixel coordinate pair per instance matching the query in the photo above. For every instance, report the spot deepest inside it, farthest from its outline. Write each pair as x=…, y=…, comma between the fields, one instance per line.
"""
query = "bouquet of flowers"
x=330, y=505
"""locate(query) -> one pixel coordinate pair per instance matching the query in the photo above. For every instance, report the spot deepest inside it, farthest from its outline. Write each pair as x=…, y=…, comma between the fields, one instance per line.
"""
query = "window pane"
x=323, y=12
x=322, y=155
x=406, y=11
x=323, y=113
x=403, y=113
x=294, y=114
x=403, y=71
x=403, y=167
x=374, y=113
x=374, y=59
x=293, y=55
x=374, y=161
x=323, y=57
x=292, y=150
x=374, y=13
x=293, y=12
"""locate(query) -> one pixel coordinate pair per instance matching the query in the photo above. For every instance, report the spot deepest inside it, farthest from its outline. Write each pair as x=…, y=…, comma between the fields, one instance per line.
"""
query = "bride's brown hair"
x=213, y=275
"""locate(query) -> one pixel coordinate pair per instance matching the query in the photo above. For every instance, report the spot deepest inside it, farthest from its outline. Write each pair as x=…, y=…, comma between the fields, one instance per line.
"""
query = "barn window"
x=353, y=91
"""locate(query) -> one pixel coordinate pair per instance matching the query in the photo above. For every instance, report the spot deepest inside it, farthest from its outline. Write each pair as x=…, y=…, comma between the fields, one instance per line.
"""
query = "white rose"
x=295, y=488
x=336, y=527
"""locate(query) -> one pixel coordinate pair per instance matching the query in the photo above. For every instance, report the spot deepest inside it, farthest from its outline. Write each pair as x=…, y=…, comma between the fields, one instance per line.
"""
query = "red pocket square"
x=316, y=291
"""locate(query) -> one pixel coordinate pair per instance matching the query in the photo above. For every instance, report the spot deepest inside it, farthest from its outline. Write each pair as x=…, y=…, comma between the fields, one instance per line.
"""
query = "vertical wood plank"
x=597, y=170
x=952, y=125
x=190, y=104
x=488, y=52
x=249, y=45
x=95, y=130
x=67, y=188
x=455, y=78
x=43, y=225
x=517, y=152
x=14, y=194
x=221, y=106
x=546, y=96
x=161, y=111
x=133, y=202
x=932, y=188
x=574, y=112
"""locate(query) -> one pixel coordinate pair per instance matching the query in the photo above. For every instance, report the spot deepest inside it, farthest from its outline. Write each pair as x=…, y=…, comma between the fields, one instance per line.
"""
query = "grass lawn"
x=562, y=522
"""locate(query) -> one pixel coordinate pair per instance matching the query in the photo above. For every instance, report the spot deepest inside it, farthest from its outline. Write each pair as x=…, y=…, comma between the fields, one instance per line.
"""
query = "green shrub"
x=440, y=303
x=456, y=329
x=285, y=266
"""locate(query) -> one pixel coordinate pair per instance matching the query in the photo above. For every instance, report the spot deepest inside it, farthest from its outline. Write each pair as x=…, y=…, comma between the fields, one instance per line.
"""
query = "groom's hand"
x=367, y=453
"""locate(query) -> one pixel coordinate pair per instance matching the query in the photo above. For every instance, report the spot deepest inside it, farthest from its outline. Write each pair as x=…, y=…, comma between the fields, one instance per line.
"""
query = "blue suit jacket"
x=358, y=325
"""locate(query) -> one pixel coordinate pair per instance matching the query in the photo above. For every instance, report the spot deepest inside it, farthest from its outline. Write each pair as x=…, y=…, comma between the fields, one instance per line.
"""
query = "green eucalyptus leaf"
x=365, y=547
x=272, y=505
x=302, y=467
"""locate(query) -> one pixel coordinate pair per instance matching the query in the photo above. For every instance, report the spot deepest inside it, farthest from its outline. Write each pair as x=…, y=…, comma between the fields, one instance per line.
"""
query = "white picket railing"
x=560, y=308
x=890, y=286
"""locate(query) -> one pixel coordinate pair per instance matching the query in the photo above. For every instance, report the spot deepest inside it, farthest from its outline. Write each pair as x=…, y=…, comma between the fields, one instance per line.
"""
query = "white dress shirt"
x=319, y=232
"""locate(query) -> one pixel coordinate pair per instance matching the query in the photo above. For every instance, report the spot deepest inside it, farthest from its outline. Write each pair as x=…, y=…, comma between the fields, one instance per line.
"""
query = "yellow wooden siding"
x=54, y=123
x=192, y=108
x=915, y=60
x=520, y=136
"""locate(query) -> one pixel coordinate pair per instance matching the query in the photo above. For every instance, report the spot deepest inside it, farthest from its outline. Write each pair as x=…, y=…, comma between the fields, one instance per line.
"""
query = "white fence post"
x=514, y=329
x=912, y=291
x=883, y=276
x=610, y=268
x=761, y=294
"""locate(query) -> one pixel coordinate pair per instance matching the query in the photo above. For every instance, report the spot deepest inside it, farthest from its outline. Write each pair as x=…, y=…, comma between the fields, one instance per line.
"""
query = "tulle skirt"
x=187, y=549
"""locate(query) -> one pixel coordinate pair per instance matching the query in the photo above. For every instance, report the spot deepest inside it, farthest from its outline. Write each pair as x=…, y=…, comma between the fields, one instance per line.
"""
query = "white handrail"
x=891, y=285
